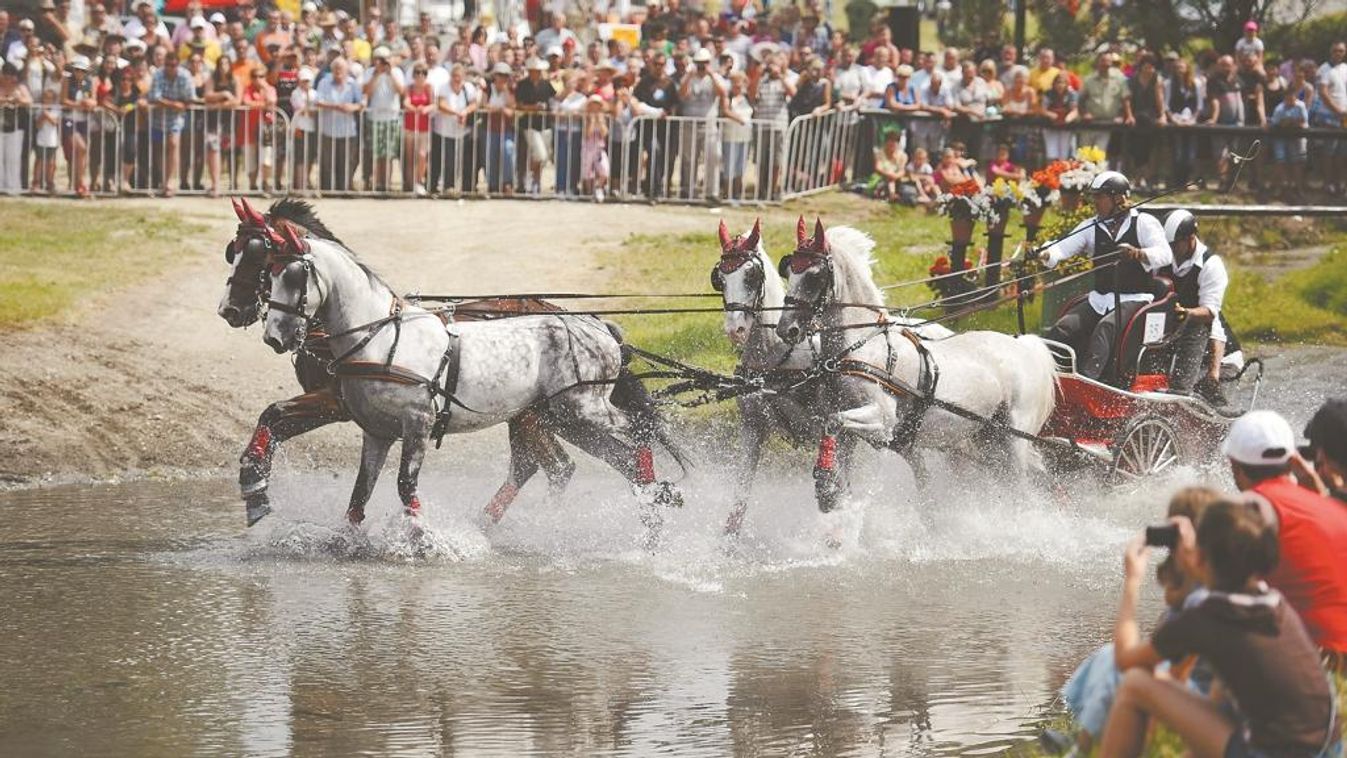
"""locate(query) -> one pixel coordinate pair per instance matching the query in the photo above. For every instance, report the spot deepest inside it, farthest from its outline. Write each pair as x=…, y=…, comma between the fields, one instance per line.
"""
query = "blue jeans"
x=499, y=160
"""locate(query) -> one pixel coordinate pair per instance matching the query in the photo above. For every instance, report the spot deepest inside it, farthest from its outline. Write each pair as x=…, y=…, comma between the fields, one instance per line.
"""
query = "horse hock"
x=279, y=422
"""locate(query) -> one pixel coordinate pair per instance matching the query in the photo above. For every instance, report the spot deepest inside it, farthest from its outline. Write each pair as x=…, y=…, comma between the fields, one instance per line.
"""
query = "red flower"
x=966, y=188
x=940, y=267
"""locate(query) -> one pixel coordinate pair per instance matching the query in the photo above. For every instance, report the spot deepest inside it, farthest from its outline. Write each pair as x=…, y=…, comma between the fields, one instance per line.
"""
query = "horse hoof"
x=667, y=495
x=257, y=508
x=355, y=515
x=735, y=522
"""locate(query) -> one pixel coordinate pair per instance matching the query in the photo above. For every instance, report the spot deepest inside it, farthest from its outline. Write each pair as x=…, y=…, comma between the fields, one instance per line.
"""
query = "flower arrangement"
x=1002, y=196
x=965, y=201
x=1090, y=161
x=1043, y=187
x=946, y=286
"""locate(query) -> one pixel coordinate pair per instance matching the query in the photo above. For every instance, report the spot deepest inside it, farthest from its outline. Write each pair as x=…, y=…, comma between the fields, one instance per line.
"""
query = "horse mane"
x=301, y=213
x=854, y=260
x=771, y=283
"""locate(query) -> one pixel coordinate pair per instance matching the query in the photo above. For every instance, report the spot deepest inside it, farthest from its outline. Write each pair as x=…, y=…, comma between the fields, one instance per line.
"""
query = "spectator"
x=1327, y=433
x=1249, y=43
x=736, y=136
x=338, y=100
x=996, y=91
x=1329, y=111
x=197, y=41
x=881, y=37
x=383, y=90
x=451, y=138
x=146, y=26
x=1103, y=97
x=1288, y=148
x=1251, y=637
x=900, y=97
x=922, y=75
x=594, y=162
x=1183, y=103
x=935, y=100
x=1143, y=108
x=1225, y=106
x=14, y=100
x=878, y=76
x=498, y=103
x=1043, y=75
x=533, y=97
x=1002, y=167
x=1311, y=529
x=77, y=102
x=890, y=168
x=557, y=34
x=47, y=125
x=699, y=94
x=171, y=92
x=303, y=110
x=1059, y=105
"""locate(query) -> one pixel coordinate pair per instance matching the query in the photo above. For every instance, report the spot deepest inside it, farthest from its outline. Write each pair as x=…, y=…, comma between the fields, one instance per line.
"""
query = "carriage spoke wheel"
x=1146, y=447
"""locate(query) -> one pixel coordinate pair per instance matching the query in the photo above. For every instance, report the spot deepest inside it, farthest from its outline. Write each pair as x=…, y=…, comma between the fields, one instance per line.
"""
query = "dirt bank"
x=148, y=380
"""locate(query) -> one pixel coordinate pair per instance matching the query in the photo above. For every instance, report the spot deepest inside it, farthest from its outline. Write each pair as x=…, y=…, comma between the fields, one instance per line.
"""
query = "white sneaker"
x=598, y=195
x=420, y=190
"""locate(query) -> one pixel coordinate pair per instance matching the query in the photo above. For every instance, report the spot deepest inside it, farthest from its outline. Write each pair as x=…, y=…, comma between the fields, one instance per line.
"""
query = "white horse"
x=1004, y=380
x=400, y=368
x=753, y=297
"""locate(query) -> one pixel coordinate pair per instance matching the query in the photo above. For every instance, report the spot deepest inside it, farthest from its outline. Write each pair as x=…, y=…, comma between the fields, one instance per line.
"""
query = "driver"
x=1200, y=281
x=1138, y=241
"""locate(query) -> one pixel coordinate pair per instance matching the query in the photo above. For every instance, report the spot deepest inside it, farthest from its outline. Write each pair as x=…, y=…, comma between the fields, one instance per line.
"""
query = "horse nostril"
x=230, y=313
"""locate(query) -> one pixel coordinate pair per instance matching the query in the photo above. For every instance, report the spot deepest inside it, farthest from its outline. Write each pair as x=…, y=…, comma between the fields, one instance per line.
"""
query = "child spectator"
x=594, y=148
x=46, y=141
x=923, y=173
x=1251, y=637
x=1288, y=150
x=890, y=168
x=1003, y=168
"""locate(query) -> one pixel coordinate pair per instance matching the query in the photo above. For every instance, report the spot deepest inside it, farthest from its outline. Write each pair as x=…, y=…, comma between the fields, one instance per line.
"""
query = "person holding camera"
x=1246, y=631
x=1127, y=247
x=1311, y=529
x=1327, y=451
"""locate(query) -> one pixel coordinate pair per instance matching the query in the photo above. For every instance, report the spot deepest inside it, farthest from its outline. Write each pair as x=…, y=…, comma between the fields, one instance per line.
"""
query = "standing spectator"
x=14, y=102
x=1330, y=111
x=557, y=34
x=146, y=26
x=570, y=108
x=658, y=90
x=901, y=97
x=1144, y=109
x=1252, y=85
x=305, y=148
x=996, y=91
x=417, y=105
x=171, y=92
x=1327, y=433
x=451, y=136
x=1043, y=75
x=699, y=93
x=533, y=96
x=594, y=163
x=1102, y=100
x=849, y=80
x=77, y=101
x=1006, y=64
x=255, y=137
x=1059, y=105
x=1225, y=106
x=970, y=105
x=8, y=36
x=1288, y=148
x=923, y=73
x=47, y=124
x=1183, y=103
x=499, y=103
x=220, y=98
x=1018, y=104
x=383, y=91
x=934, y=100
x=338, y=101
x=198, y=41
x=1249, y=43
x=737, y=133
x=950, y=67
x=54, y=28
x=629, y=142
x=132, y=87
x=877, y=77
x=252, y=25
x=881, y=37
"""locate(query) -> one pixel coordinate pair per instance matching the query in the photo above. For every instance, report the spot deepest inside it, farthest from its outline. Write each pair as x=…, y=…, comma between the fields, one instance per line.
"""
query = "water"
x=142, y=618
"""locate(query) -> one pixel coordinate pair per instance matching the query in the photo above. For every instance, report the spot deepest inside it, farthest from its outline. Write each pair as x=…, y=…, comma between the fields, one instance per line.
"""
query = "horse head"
x=255, y=239
x=740, y=277
x=809, y=271
x=295, y=295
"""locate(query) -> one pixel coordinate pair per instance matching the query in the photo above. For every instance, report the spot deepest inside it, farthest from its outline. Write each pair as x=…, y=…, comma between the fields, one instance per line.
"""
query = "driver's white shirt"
x=1150, y=235
x=1212, y=281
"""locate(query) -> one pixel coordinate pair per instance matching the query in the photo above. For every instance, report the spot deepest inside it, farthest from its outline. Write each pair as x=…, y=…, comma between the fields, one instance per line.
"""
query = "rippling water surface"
x=143, y=619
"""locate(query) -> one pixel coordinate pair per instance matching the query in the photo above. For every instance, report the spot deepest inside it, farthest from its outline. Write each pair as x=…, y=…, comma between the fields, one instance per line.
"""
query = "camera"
x=1162, y=536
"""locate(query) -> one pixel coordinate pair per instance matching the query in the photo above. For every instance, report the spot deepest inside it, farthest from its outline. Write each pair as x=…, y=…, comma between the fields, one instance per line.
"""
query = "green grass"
x=53, y=254
x=1307, y=305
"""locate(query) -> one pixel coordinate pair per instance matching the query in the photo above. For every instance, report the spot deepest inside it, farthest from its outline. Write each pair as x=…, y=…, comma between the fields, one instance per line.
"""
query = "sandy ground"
x=150, y=381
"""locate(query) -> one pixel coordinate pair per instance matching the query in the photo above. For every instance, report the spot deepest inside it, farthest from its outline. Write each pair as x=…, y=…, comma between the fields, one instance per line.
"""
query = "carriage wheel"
x=1147, y=446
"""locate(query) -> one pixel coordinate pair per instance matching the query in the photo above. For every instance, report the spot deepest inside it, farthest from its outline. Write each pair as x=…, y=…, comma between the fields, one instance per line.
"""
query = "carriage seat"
x=1132, y=346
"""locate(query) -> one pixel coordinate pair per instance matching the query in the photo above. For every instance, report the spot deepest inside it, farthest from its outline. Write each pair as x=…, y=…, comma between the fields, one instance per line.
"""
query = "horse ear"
x=253, y=215
x=753, y=236
x=820, y=241
x=238, y=210
x=800, y=232
x=725, y=240
x=292, y=237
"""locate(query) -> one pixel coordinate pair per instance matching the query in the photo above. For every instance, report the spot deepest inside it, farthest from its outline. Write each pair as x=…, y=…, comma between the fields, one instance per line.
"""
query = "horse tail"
x=1040, y=380
x=631, y=397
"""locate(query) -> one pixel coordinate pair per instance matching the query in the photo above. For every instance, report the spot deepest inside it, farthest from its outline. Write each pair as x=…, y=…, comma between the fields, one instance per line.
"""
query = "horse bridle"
x=729, y=263
x=800, y=262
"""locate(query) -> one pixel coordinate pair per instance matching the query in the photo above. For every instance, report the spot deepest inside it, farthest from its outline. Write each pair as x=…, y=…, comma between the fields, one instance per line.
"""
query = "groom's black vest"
x=1127, y=277
x=1186, y=288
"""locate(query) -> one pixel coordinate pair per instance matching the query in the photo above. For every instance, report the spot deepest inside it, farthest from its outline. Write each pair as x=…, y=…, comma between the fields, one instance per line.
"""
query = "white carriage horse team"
x=834, y=368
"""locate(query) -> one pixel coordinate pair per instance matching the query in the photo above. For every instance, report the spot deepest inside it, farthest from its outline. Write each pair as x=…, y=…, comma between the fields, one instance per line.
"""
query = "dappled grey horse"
x=403, y=372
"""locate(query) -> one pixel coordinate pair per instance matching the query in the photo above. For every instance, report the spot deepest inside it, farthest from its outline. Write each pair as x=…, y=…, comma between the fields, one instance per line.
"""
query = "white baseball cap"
x=309, y=7
x=554, y=50
x=1260, y=438
x=306, y=74
x=198, y=22
x=135, y=43
x=217, y=18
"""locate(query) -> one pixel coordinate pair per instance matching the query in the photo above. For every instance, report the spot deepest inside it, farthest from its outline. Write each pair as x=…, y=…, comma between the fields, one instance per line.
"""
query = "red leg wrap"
x=645, y=465
x=504, y=496
x=414, y=506
x=260, y=445
x=827, y=453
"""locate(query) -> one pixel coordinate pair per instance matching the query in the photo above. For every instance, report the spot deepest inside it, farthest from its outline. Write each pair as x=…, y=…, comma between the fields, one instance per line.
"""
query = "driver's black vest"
x=1130, y=277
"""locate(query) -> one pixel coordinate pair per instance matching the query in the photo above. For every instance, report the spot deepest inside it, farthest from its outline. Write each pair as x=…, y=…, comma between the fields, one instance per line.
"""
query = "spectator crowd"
x=693, y=106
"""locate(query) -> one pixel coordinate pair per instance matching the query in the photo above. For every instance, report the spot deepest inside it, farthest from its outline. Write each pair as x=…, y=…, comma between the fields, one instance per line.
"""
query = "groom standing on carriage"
x=1128, y=248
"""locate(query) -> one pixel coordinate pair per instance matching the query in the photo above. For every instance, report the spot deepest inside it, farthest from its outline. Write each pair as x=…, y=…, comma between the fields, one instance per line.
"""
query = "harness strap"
x=445, y=384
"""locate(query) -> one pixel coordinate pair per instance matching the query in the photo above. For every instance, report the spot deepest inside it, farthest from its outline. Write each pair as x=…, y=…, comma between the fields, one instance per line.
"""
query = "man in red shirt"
x=1311, y=528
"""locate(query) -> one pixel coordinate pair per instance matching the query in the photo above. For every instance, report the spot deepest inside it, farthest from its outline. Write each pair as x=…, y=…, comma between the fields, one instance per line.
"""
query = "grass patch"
x=1307, y=305
x=52, y=254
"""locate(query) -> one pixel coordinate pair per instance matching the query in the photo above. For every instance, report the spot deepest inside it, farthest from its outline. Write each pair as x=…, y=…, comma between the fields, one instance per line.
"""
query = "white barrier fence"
x=47, y=149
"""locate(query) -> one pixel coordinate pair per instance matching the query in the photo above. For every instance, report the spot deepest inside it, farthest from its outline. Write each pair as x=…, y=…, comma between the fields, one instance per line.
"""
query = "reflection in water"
x=141, y=619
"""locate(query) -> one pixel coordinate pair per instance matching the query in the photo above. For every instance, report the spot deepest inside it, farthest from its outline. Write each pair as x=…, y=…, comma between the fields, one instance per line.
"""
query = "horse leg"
x=279, y=422
x=415, y=435
x=530, y=445
x=373, y=453
x=752, y=434
x=832, y=468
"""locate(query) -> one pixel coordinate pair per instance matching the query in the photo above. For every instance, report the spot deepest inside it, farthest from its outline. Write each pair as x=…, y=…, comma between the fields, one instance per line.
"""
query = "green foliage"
x=973, y=22
x=47, y=263
x=1310, y=39
x=1303, y=306
x=1059, y=29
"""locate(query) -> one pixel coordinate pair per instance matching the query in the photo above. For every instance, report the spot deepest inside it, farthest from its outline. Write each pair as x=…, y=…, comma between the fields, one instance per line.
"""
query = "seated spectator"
x=890, y=167
x=1090, y=692
x=1289, y=149
x=923, y=173
x=1327, y=433
x=1246, y=631
x=1311, y=529
x=1003, y=168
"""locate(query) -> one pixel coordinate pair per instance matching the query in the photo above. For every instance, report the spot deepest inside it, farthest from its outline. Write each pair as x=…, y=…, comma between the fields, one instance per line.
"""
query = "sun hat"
x=308, y=7
x=198, y=22
x=382, y=52
x=703, y=55
x=135, y=43
x=1259, y=438
x=27, y=24
x=79, y=63
x=327, y=19
x=554, y=50
x=537, y=64
x=218, y=18
x=1251, y=26
x=502, y=69
x=306, y=74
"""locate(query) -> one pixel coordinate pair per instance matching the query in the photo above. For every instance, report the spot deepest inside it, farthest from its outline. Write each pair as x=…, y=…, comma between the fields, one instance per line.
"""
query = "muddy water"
x=142, y=619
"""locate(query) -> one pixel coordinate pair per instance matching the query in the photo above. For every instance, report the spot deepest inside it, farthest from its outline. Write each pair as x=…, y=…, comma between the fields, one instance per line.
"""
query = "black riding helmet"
x=1110, y=183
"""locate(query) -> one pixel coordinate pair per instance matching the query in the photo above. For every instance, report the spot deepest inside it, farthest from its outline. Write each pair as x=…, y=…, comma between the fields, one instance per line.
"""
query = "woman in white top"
x=305, y=129
x=451, y=133
x=736, y=134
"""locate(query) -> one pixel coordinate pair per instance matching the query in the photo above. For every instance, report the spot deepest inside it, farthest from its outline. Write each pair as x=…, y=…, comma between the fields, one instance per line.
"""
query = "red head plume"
x=253, y=216
x=800, y=232
x=292, y=237
x=238, y=210
x=725, y=240
x=753, y=236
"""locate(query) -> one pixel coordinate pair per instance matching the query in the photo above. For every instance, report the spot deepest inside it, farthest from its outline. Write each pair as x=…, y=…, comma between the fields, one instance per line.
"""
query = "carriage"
x=1131, y=427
